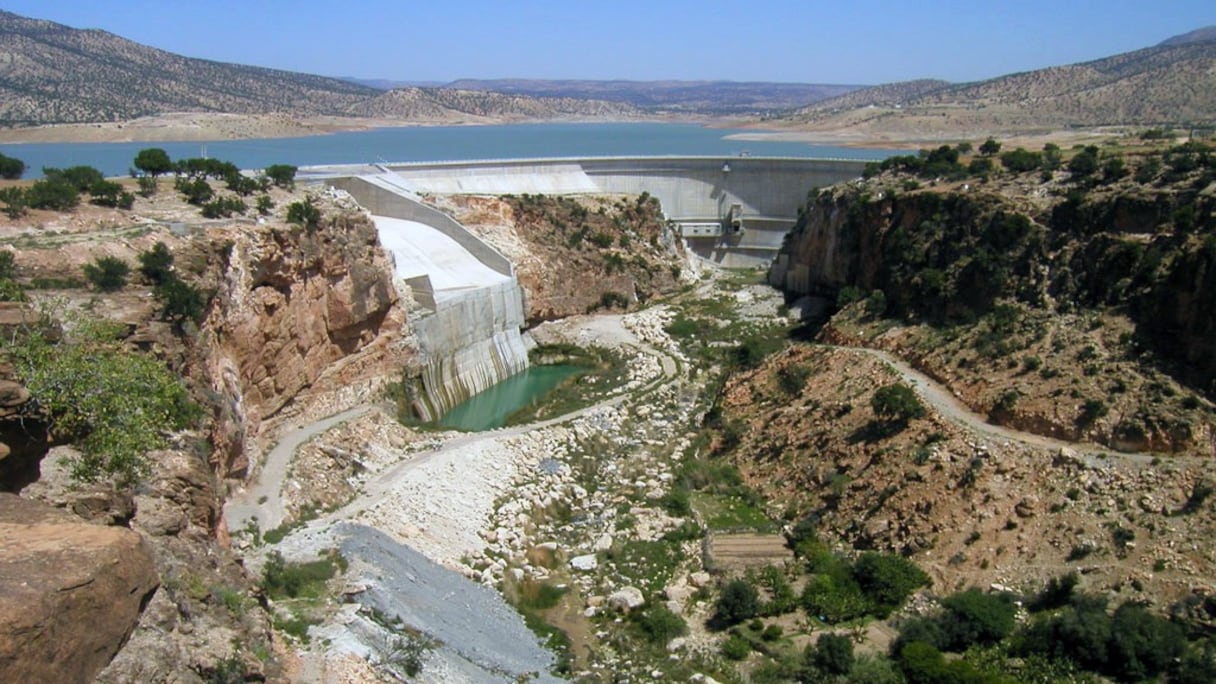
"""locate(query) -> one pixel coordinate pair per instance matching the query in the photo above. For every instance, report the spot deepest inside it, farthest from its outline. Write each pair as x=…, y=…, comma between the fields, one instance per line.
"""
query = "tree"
x=156, y=264
x=659, y=624
x=990, y=147
x=973, y=617
x=52, y=194
x=153, y=161
x=739, y=601
x=180, y=300
x=80, y=177
x=197, y=191
x=887, y=580
x=1021, y=160
x=1085, y=162
x=282, y=175
x=11, y=168
x=1052, y=157
x=110, y=194
x=108, y=274
x=897, y=403
x=833, y=654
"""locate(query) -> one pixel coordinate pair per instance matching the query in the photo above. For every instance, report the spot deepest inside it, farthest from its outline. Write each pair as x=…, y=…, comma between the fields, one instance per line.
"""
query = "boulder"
x=24, y=435
x=585, y=563
x=626, y=599
x=70, y=592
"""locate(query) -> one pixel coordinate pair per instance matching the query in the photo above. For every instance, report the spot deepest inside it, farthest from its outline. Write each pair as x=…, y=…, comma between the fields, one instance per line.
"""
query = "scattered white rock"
x=586, y=563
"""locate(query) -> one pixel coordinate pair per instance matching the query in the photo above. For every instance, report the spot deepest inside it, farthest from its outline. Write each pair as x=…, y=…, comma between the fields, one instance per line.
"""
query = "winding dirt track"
x=942, y=401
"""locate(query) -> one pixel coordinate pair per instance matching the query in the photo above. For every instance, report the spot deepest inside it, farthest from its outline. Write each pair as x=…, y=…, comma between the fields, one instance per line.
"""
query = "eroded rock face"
x=305, y=321
x=23, y=433
x=70, y=592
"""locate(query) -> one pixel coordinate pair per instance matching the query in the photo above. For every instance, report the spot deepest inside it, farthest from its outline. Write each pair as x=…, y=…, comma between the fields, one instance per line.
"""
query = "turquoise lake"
x=491, y=408
x=437, y=143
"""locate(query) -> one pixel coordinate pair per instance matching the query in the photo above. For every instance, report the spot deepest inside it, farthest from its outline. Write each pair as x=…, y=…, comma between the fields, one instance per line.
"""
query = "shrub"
x=156, y=264
x=264, y=205
x=11, y=168
x=107, y=274
x=196, y=191
x=897, y=403
x=738, y=601
x=990, y=147
x=180, y=301
x=16, y=202
x=736, y=647
x=659, y=625
x=833, y=654
x=82, y=178
x=51, y=194
x=887, y=580
x=114, y=405
x=106, y=193
x=299, y=580
x=304, y=213
x=1021, y=160
x=974, y=617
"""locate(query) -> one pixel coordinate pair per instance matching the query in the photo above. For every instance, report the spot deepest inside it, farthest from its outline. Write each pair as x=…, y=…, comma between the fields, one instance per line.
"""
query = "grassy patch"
x=283, y=580
x=721, y=512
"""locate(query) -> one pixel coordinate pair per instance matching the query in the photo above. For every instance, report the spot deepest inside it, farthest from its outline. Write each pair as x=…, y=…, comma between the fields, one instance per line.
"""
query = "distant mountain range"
x=1172, y=82
x=50, y=73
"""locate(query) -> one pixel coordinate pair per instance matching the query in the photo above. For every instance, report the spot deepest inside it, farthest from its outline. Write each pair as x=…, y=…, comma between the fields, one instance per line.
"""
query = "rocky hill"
x=58, y=74
x=1172, y=82
x=684, y=97
x=446, y=105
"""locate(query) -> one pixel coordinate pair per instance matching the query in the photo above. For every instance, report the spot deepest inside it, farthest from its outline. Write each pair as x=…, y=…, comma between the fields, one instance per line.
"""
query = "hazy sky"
x=843, y=41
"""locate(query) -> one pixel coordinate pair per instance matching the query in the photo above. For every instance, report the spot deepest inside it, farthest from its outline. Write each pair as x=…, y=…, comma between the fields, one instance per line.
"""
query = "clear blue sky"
x=843, y=41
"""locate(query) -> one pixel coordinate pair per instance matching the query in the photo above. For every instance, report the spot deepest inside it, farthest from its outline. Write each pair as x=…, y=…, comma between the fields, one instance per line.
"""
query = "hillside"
x=1174, y=82
x=441, y=104
x=684, y=97
x=55, y=74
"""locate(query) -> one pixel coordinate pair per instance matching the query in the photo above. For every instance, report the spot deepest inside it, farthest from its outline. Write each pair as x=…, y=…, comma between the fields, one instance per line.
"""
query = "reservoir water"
x=491, y=408
x=438, y=143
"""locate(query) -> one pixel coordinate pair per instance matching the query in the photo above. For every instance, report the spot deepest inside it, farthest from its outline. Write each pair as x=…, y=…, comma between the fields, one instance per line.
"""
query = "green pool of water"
x=491, y=408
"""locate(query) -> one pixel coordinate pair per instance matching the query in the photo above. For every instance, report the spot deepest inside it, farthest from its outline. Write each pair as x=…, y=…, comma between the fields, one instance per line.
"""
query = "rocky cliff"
x=304, y=322
x=24, y=434
x=1049, y=300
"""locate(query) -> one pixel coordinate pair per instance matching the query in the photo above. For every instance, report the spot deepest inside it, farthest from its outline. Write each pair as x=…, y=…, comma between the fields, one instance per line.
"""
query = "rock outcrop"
x=305, y=323
x=70, y=592
x=24, y=435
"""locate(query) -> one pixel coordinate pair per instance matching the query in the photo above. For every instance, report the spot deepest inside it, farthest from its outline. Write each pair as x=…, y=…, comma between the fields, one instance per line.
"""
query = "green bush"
x=736, y=647
x=299, y=580
x=114, y=405
x=974, y=617
x=16, y=202
x=887, y=580
x=156, y=264
x=833, y=654
x=897, y=403
x=1021, y=160
x=107, y=274
x=82, y=178
x=738, y=601
x=304, y=213
x=659, y=625
x=153, y=161
x=282, y=175
x=180, y=301
x=11, y=168
x=56, y=195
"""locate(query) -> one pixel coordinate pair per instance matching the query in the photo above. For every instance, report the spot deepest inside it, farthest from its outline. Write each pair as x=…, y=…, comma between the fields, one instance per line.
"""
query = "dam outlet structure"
x=470, y=308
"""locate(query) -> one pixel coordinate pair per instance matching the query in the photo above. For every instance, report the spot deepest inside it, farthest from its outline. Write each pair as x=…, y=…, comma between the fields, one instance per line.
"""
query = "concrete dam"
x=732, y=211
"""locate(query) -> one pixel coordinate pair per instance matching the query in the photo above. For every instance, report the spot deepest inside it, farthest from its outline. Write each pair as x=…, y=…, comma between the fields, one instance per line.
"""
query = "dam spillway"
x=469, y=306
x=733, y=211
